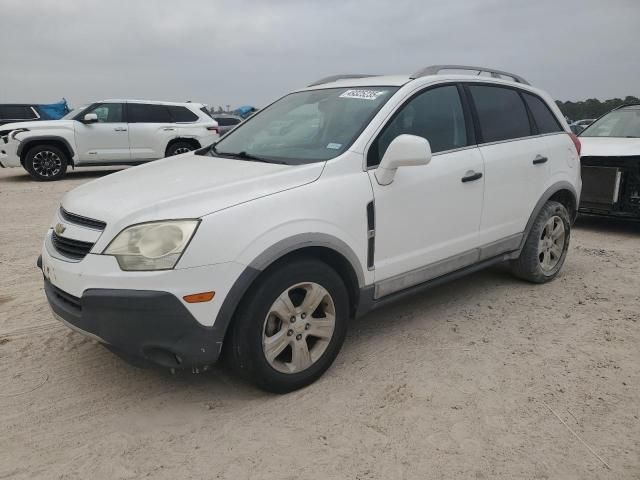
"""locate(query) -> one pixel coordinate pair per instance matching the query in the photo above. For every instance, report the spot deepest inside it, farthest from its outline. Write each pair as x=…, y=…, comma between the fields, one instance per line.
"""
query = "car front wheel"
x=46, y=163
x=291, y=327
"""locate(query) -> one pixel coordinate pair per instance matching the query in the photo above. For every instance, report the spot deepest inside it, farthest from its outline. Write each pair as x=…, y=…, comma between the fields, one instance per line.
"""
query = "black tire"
x=530, y=265
x=178, y=148
x=244, y=345
x=46, y=163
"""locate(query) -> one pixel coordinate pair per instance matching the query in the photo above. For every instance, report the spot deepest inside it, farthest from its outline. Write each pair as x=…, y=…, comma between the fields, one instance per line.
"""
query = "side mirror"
x=403, y=151
x=90, y=118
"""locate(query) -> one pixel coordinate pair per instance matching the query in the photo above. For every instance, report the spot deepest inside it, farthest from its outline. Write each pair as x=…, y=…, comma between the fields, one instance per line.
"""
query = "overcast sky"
x=250, y=52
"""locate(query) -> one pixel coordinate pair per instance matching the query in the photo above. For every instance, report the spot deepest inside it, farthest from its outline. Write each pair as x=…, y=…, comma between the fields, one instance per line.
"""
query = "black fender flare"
x=25, y=143
x=273, y=254
x=549, y=192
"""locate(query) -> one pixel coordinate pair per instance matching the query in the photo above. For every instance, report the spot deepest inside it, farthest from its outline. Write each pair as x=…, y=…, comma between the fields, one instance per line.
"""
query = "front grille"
x=74, y=249
x=82, y=221
x=66, y=298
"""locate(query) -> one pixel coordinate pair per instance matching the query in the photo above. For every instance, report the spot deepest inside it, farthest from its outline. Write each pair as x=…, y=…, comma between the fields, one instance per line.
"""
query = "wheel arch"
x=194, y=142
x=562, y=192
x=328, y=249
x=54, y=140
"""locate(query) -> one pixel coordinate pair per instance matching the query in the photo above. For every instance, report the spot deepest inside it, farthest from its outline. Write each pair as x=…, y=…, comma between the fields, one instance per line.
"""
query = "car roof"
x=151, y=102
x=400, y=80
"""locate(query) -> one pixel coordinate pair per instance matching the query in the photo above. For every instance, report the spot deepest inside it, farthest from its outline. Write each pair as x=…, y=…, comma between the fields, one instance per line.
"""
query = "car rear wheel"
x=291, y=327
x=179, y=148
x=46, y=163
x=546, y=247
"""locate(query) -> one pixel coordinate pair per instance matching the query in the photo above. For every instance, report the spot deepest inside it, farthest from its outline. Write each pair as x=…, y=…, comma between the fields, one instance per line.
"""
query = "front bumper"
x=148, y=325
x=9, y=152
x=140, y=314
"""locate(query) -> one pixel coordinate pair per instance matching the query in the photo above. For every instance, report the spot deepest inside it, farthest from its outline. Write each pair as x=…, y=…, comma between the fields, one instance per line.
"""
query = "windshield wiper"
x=246, y=156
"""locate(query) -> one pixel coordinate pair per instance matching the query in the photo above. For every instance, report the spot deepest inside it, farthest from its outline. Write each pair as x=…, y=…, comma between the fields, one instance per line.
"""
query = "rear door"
x=151, y=128
x=515, y=161
x=426, y=221
x=107, y=140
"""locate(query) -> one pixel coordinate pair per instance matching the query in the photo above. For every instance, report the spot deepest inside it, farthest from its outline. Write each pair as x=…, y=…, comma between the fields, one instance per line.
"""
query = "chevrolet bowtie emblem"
x=59, y=229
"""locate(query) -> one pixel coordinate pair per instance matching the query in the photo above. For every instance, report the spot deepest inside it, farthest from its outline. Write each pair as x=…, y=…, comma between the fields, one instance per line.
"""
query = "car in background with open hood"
x=610, y=161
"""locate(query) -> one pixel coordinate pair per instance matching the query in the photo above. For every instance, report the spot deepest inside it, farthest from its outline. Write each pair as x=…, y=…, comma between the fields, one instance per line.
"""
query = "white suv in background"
x=332, y=201
x=110, y=132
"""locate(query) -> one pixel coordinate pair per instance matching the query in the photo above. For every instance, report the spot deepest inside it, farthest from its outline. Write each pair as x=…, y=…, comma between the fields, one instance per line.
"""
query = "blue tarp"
x=245, y=111
x=54, y=111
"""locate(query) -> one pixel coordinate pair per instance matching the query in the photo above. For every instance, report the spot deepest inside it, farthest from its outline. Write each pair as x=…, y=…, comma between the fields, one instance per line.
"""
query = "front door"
x=427, y=219
x=107, y=140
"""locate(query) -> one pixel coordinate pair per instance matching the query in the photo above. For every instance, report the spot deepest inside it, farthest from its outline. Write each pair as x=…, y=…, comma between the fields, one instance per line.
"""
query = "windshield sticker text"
x=363, y=94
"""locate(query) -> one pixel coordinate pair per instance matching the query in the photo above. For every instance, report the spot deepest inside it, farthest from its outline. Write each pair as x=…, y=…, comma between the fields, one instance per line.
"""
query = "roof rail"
x=632, y=104
x=334, y=78
x=435, y=69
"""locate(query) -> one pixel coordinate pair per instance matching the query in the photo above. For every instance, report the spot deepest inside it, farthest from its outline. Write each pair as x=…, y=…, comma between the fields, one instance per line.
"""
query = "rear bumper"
x=152, y=326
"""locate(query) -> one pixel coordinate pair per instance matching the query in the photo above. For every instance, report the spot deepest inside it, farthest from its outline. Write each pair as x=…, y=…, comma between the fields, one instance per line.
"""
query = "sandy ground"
x=470, y=380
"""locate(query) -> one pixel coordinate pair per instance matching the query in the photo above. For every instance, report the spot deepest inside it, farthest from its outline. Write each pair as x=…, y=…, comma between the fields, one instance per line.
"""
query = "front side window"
x=148, y=113
x=623, y=123
x=305, y=127
x=545, y=120
x=106, y=112
x=435, y=114
x=501, y=113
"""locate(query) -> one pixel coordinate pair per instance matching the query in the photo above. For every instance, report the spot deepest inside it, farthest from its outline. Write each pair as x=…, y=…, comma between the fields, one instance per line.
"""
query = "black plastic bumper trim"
x=148, y=325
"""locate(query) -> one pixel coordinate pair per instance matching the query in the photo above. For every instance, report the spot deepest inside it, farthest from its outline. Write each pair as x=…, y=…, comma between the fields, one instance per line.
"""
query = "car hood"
x=184, y=186
x=609, y=147
x=39, y=125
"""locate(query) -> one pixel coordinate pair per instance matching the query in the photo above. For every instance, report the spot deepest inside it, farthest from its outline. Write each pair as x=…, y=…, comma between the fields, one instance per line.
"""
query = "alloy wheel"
x=47, y=163
x=551, y=243
x=298, y=327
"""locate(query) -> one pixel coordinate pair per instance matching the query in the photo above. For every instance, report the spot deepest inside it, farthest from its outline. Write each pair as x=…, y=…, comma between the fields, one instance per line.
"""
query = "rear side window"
x=16, y=112
x=182, y=114
x=542, y=115
x=501, y=113
x=226, y=121
x=147, y=113
x=435, y=114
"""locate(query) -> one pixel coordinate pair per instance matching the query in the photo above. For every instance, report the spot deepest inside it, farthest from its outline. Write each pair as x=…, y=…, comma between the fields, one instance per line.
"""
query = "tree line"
x=592, y=108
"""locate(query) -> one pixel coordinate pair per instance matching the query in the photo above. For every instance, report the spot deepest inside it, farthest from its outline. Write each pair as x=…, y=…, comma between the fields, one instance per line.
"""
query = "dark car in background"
x=226, y=122
x=29, y=112
x=610, y=161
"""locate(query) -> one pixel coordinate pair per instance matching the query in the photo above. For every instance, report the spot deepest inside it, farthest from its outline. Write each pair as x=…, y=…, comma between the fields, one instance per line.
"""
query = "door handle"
x=470, y=176
x=168, y=129
x=539, y=160
x=120, y=129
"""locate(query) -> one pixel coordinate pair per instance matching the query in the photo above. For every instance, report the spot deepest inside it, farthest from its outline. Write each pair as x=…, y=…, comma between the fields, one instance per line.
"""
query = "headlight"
x=152, y=246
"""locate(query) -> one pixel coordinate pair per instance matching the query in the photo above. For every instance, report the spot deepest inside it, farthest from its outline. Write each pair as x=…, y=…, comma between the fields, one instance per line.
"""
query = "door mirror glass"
x=403, y=151
x=90, y=118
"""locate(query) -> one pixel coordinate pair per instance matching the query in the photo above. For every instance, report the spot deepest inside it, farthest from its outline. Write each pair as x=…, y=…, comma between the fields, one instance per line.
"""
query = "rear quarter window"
x=182, y=114
x=501, y=113
x=545, y=120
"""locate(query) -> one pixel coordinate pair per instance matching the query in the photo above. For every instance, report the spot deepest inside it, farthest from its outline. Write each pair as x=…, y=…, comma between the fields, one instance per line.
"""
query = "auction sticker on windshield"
x=363, y=94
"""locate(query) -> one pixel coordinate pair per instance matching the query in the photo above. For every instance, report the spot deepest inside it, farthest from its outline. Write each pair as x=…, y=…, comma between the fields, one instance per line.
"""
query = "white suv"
x=110, y=132
x=332, y=201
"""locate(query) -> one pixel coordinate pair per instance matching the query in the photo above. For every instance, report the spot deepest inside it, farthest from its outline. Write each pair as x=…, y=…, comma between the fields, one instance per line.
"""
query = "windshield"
x=74, y=112
x=304, y=127
x=619, y=123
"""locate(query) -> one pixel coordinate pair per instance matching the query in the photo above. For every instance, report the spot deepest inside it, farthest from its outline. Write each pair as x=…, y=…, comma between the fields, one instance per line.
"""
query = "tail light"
x=576, y=142
x=214, y=129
